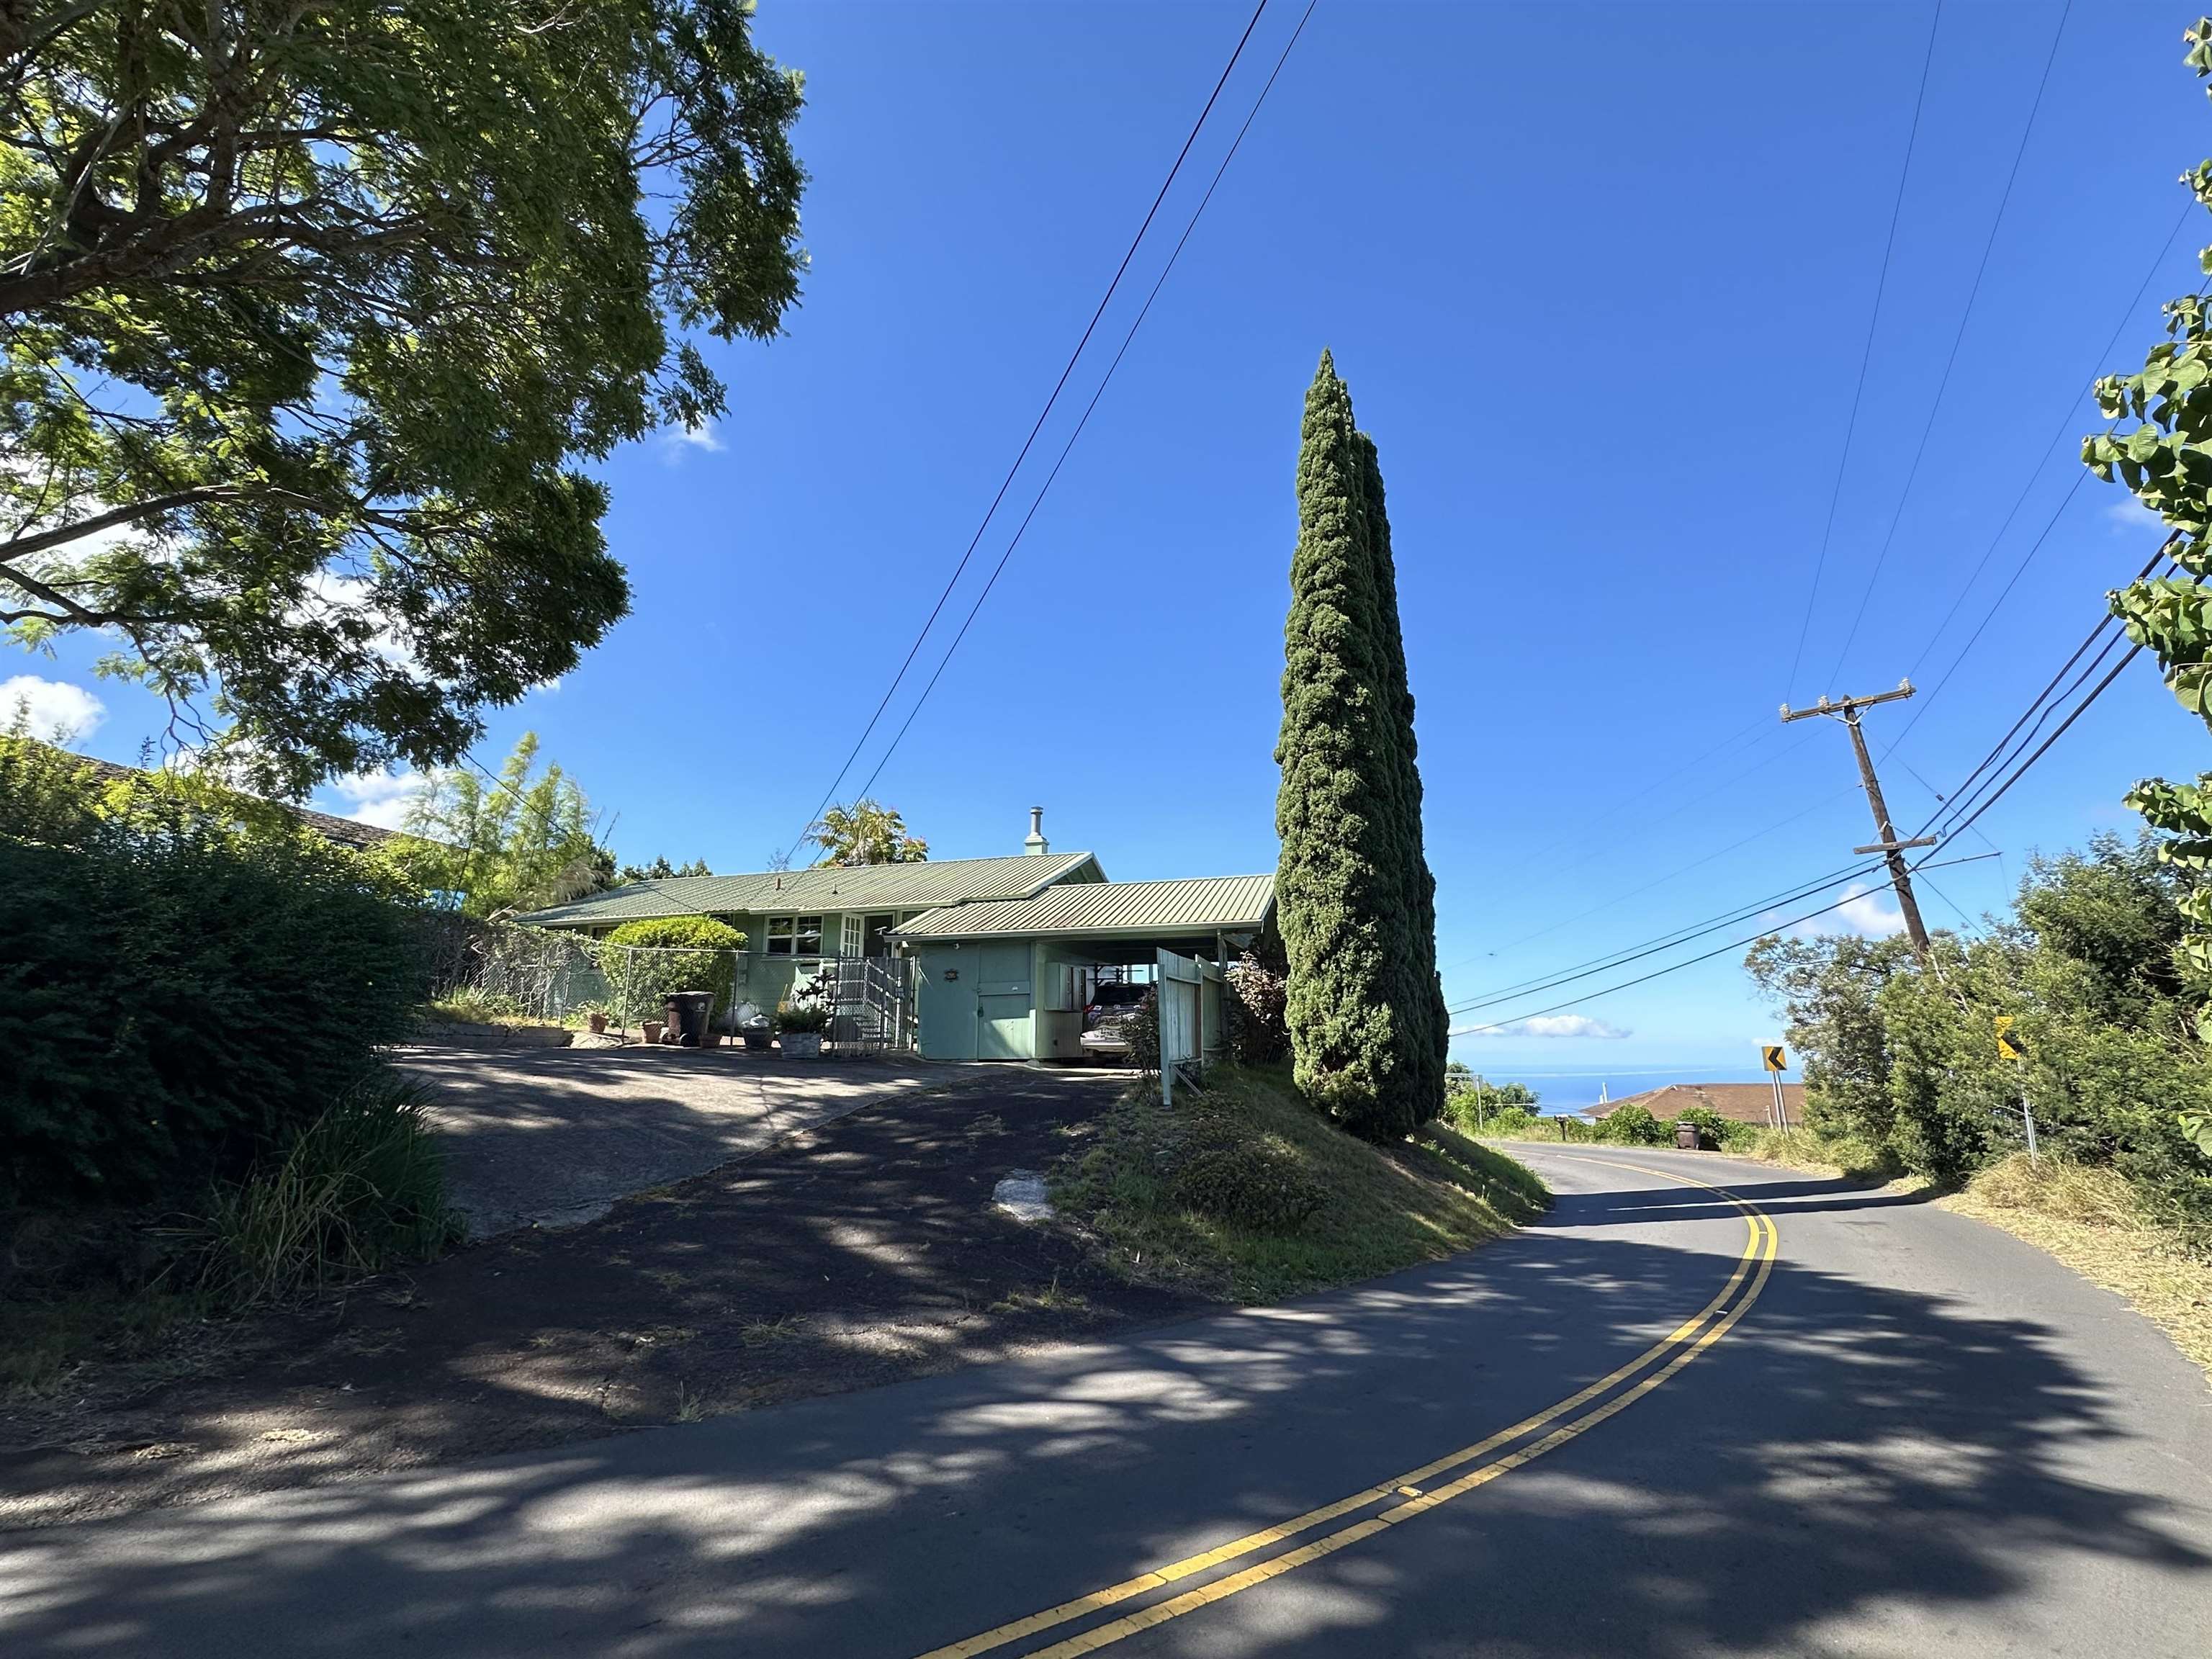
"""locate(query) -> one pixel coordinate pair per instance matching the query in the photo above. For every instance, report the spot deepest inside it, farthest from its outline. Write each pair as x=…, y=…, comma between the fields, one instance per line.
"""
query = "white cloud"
x=1547, y=1025
x=382, y=798
x=2129, y=513
x=547, y=688
x=675, y=440
x=55, y=709
x=1868, y=912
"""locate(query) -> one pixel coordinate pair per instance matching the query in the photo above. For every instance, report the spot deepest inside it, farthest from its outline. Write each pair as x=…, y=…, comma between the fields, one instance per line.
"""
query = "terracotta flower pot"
x=652, y=1029
x=598, y=1022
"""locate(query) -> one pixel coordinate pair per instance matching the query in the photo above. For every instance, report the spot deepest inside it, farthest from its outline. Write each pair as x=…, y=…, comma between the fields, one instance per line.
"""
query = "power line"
x=1007, y=482
x=1680, y=936
x=1960, y=796
x=1084, y=420
x=1690, y=962
x=2066, y=423
x=1866, y=356
x=1660, y=881
x=1957, y=339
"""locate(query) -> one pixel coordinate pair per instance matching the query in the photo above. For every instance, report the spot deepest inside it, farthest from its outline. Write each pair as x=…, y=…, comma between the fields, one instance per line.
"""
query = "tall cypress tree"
x=1424, y=1024
x=1360, y=1030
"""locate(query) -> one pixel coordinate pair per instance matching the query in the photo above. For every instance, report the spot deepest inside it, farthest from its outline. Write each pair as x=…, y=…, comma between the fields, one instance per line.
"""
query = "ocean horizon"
x=1570, y=1091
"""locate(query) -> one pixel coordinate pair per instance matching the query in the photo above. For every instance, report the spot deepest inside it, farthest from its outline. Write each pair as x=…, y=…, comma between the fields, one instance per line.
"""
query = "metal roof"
x=840, y=887
x=1199, y=905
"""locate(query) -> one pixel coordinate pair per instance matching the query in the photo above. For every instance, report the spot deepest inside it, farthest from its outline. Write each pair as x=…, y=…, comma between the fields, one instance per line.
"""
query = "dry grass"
x=2090, y=1219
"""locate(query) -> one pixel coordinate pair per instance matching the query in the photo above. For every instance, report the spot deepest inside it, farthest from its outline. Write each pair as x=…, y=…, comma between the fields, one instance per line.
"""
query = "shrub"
x=1258, y=1034
x=1259, y=1186
x=178, y=997
x=358, y=1189
x=1714, y=1130
x=646, y=961
x=1512, y=1122
x=1634, y=1126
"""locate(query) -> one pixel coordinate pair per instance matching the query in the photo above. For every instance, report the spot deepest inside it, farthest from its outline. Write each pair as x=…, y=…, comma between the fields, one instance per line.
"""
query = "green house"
x=1008, y=979
x=997, y=957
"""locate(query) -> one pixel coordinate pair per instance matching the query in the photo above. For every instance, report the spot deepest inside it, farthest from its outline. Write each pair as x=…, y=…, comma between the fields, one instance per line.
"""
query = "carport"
x=1008, y=979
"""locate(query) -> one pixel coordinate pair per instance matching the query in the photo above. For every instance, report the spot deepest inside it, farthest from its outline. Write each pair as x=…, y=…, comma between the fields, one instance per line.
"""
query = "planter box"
x=801, y=1045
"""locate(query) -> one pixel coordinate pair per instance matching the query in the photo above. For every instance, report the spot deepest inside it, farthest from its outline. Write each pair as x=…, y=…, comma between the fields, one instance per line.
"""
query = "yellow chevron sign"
x=2008, y=1045
x=1775, y=1059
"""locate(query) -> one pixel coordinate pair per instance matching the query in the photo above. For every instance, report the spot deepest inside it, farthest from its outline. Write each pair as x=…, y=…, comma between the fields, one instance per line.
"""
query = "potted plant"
x=652, y=1029
x=595, y=1016
x=799, y=1026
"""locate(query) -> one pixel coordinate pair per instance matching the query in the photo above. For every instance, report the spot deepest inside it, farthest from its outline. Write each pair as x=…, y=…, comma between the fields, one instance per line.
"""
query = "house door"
x=1003, y=1002
x=875, y=938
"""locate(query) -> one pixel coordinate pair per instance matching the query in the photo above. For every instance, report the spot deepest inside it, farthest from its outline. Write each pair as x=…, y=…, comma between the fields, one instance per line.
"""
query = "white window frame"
x=852, y=934
x=786, y=932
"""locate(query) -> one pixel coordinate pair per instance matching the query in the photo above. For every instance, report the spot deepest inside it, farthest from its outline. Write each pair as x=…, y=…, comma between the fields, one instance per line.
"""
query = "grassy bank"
x=1247, y=1193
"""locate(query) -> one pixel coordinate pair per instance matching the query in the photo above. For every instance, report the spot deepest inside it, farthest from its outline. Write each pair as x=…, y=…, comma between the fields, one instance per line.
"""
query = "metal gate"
x=870, y=1003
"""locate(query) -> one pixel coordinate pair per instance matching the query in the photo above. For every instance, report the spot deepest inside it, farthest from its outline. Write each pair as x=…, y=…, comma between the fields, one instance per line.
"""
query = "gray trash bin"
x=688, y=1013
x=1686, y=1137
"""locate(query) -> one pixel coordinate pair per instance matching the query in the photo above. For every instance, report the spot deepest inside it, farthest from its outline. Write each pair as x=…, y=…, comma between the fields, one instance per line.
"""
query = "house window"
x=852, y=936
x=794, y=936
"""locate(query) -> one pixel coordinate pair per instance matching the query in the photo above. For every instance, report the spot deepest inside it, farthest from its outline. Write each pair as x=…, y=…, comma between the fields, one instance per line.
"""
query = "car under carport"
x=1009, y=980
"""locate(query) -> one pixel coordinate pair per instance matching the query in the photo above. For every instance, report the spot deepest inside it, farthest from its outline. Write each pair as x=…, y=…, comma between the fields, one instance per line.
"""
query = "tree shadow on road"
x=1848, y=1452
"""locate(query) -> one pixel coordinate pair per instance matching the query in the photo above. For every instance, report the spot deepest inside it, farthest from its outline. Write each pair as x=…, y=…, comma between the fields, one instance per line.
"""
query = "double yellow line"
x=1649, y=1369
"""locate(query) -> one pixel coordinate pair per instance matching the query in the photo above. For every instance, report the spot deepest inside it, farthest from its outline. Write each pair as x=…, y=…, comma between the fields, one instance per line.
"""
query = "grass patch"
x=1246, y=1192
x=361, y=1188
x=1800, y=1149
x=2092, y=1220
x=44, y=1342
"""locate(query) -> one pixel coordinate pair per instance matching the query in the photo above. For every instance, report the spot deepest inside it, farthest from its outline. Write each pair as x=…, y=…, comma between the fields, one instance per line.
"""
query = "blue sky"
x=1600, y=279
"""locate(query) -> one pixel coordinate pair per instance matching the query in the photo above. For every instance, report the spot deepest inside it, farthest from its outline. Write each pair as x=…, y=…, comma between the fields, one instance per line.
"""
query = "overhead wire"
x=1105, y=380
x=1866, y=354
x=1050, y=403
x=1690, y=962
x=1957, y=339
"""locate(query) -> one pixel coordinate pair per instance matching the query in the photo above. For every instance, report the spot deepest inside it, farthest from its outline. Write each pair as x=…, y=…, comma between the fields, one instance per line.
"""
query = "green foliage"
x=1354, y=895
x=1508, y=1123
x=180, y=993
x=1902, y=1060
x=359, y=1188
x=2165, y=460
x=1254, y=1233
x=317, y=316
x=648, y=961
x=1260, y=1187
x=1257, y=996
x=1634, y=1126
x=1473, y=1103
x=867, y=832
x=523, y=843
x=660, y=870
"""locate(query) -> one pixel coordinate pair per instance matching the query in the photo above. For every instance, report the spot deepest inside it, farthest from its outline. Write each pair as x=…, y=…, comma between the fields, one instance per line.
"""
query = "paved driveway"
x=553, y=1136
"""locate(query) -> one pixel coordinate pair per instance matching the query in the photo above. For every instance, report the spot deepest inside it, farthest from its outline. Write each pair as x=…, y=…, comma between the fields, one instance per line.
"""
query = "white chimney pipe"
x=1036, y=845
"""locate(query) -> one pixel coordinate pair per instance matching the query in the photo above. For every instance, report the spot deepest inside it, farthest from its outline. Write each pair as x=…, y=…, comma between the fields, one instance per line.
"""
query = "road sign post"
x=1776, y=1061
x=2012, y=1048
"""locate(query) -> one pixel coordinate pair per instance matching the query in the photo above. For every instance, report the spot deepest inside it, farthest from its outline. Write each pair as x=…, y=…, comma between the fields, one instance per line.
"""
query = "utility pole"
x=1893, y=850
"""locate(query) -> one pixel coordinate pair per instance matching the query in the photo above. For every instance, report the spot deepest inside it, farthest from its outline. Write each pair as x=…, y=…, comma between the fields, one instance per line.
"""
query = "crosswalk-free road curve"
x=1705, y=1408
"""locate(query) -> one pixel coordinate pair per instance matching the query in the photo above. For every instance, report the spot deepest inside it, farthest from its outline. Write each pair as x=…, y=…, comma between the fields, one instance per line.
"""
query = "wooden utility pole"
x=1893, y=850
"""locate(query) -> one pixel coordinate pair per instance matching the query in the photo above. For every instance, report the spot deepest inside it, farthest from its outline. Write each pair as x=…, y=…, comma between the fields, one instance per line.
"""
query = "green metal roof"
x=840, y=887
x=1202, y=904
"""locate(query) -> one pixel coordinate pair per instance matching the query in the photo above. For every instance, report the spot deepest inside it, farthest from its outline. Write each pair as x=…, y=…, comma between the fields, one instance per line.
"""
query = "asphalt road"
x=1654, y=1425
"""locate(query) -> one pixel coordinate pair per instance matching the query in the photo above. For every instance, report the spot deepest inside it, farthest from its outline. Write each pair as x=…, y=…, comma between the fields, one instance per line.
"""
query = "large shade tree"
x=1354, y=893
x=310, y=315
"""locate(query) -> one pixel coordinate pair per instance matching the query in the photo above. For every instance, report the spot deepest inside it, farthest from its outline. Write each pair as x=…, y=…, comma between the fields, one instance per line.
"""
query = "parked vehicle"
x=1106, y=1021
